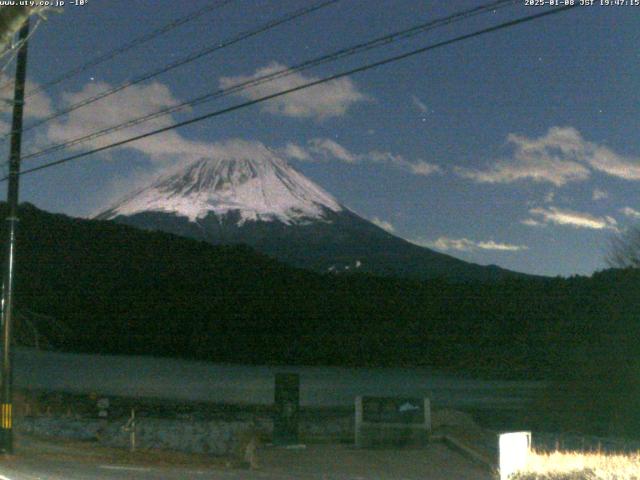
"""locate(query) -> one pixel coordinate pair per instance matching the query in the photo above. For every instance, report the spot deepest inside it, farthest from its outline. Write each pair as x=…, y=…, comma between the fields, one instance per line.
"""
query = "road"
x=315, y=462
x=47, y=469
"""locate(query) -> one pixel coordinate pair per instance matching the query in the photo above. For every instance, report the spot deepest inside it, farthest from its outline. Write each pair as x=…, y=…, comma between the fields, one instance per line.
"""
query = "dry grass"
x=579, y=466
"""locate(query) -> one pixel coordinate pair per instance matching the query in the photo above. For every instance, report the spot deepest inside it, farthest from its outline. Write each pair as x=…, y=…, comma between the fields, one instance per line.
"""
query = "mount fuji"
x=258, y=199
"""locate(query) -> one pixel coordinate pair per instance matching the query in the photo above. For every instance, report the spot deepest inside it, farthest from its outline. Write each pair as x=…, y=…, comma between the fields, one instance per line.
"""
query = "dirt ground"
x=435, y=461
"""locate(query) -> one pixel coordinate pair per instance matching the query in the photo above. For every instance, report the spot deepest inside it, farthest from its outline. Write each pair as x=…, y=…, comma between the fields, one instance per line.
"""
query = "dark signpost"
x=287, y=405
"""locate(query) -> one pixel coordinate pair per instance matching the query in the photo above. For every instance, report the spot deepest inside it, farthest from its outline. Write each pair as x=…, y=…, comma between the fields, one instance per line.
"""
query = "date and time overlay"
x=581, y=3
x=43, y=3
x=526, y=3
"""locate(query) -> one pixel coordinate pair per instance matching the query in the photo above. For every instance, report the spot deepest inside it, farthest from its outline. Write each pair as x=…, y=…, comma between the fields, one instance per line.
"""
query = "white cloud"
x=560, y=156
x=423, y=168
x=331, y=99
x=466, y=245
x=5, y=127
x=383, y=224
x=241, y=149
x=327, y=149
x=420, y=105
x=295, y=152
x=570, y=218
x=630, y=212
x=36, y=106
x=547, y=159
x=599, y=194
x=417, y=168
x=491, y=245
x=607, y=161
x=128, y=104
x=530, y=222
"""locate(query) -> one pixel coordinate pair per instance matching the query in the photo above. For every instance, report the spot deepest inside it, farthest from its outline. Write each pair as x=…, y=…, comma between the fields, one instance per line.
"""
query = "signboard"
x=392, y=420
x=393, y=410
x=287, y=406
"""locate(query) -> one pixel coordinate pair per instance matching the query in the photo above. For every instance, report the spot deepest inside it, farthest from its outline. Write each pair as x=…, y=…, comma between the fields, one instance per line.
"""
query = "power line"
x=14, y=50
x=355, y=49
x=190, y=58
x=123, y=48
x=127, y=46
x=136, y=42
x=265, y=98
x=380, y=41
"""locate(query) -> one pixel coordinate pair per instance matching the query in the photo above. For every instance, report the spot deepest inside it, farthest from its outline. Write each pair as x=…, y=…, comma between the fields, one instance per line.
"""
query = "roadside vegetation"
x=581, y=466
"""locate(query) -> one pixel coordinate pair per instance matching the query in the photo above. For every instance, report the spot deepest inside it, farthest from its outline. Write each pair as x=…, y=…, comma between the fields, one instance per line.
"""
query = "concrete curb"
x=467, y=450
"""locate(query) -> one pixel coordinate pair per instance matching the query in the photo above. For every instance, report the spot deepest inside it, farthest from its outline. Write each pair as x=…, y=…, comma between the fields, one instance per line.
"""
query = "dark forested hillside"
x=123, y=290
x=109, y=288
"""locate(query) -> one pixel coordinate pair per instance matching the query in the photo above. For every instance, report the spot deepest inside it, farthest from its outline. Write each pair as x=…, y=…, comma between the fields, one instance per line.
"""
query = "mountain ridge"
x=259, y=200
x=264, y=188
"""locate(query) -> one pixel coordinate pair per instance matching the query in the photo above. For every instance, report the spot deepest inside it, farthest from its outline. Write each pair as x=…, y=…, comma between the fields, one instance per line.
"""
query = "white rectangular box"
x=513, y=451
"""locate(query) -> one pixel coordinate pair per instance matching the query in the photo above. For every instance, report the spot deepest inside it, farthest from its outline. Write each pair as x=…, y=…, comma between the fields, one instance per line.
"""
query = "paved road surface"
x=317, y=462
x=46, y=469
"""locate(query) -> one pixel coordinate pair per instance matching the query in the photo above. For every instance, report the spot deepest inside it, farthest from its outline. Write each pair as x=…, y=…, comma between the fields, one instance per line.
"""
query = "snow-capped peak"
x=253, y=181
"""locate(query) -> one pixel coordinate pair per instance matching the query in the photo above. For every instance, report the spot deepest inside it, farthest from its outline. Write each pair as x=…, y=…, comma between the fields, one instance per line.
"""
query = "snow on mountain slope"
x=259, y=186
x=244, y=193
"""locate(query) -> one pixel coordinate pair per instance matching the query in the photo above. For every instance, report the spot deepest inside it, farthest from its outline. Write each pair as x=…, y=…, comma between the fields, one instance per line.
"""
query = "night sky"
x=519, y=148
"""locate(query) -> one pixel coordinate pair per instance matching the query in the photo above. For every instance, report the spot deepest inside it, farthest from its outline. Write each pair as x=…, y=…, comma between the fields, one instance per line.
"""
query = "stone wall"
x=214, y=436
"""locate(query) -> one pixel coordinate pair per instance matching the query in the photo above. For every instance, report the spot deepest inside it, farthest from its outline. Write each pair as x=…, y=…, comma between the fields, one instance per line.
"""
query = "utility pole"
x=6, y=400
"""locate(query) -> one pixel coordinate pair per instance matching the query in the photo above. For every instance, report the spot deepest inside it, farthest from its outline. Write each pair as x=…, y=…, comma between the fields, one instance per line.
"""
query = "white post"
x=427, y=415
x=358, y=425
x=514, y=449
x=133, y=430
x=130, y=427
